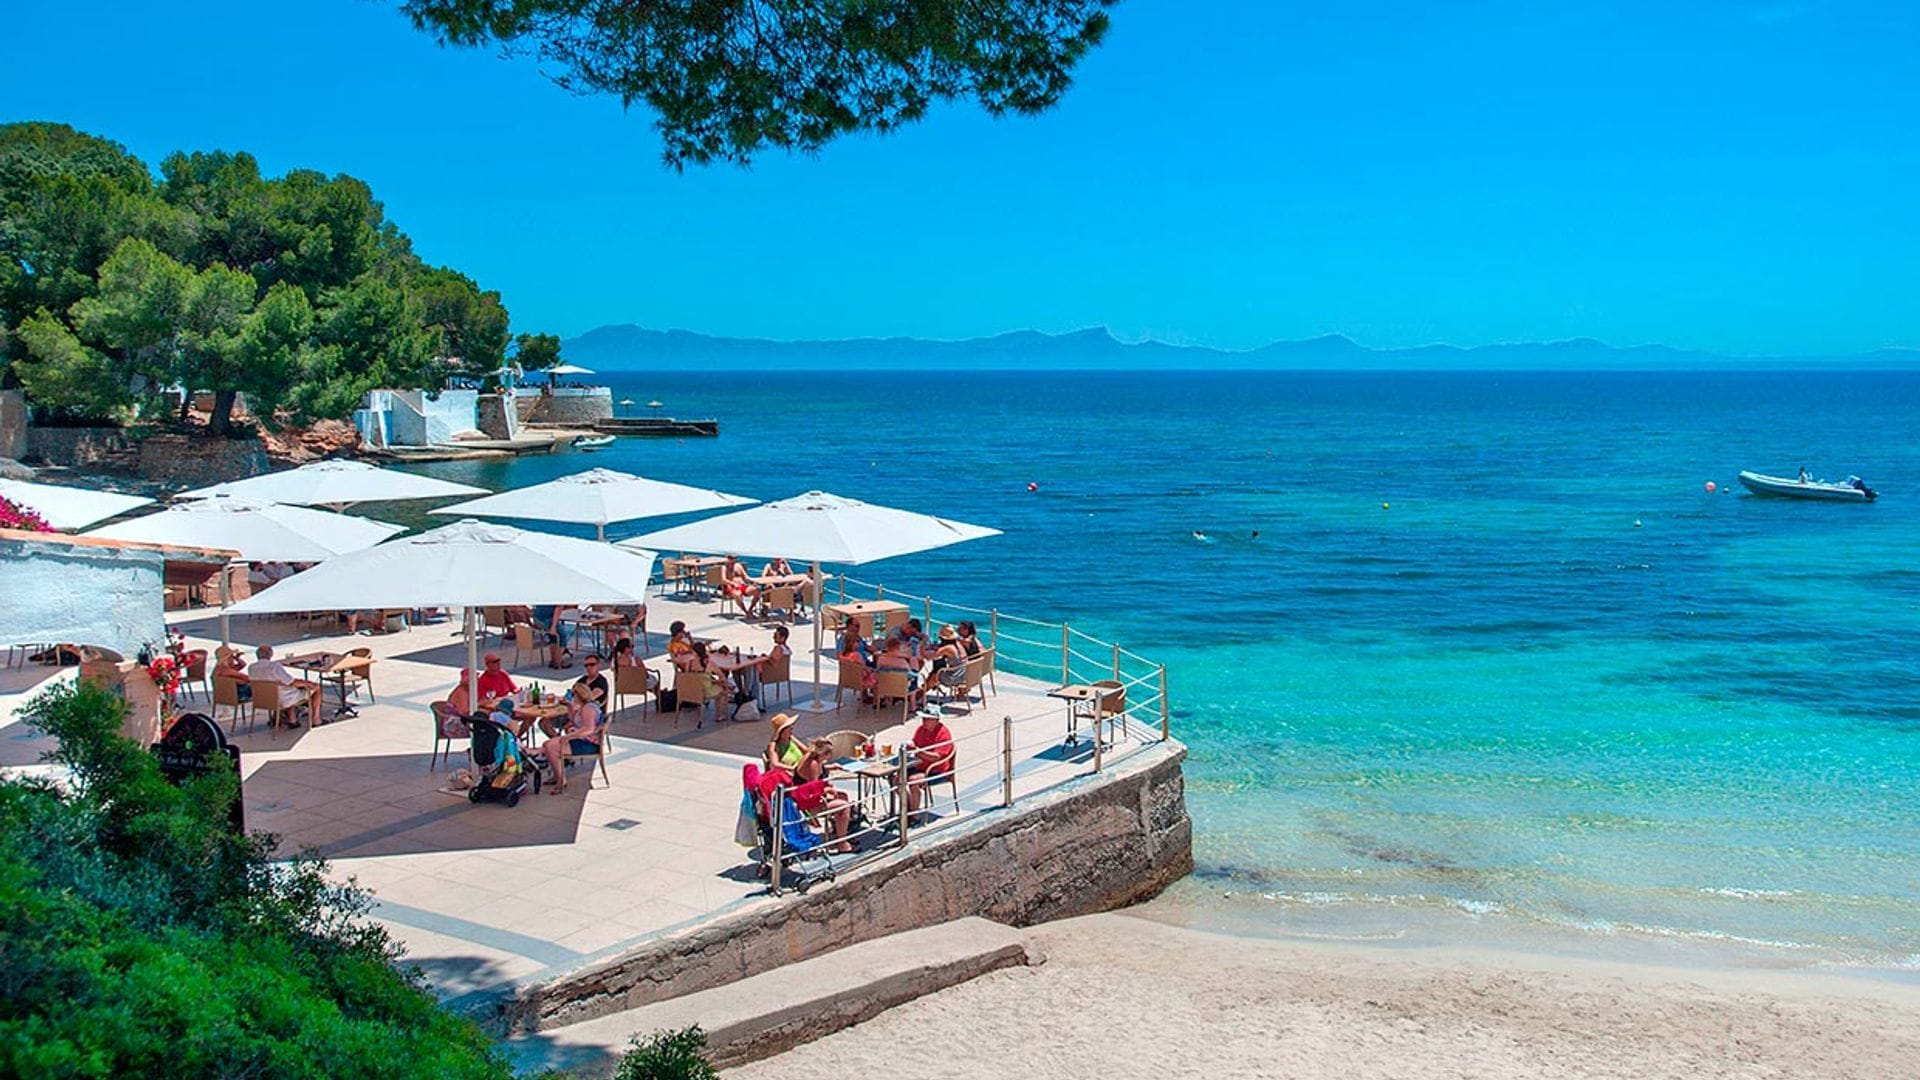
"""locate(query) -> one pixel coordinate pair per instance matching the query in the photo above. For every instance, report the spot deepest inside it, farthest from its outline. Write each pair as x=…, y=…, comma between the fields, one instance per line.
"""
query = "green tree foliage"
x=668, y=1055
x=729, y=78
x=295, y=290
x=536, y=352
x=140, y=936
x=471, y=323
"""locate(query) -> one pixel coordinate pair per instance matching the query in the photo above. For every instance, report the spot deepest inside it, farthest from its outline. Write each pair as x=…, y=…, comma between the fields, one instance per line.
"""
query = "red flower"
x=15, y=516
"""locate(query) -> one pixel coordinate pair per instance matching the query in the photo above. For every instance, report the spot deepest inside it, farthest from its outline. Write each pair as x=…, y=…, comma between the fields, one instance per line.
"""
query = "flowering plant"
x=15, y=516
x=165, y=672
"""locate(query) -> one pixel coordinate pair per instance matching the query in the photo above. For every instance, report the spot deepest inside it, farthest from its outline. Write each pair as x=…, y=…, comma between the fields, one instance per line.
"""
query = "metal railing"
x=997, y=767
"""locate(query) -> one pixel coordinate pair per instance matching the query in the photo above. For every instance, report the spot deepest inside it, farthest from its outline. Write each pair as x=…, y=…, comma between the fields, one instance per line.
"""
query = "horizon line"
x=1331, y=337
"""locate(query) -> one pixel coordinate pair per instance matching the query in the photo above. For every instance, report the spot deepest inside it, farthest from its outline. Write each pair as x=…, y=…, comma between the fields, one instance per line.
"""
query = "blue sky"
x=1732, y=176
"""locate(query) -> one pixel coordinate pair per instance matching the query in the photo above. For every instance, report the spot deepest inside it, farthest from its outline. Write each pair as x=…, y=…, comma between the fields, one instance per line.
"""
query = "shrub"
x=140, y=936
x=668, y=1055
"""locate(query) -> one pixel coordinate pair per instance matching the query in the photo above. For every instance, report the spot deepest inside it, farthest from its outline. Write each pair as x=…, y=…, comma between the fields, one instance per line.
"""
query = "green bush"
x=668, y=1055
x=139, y=936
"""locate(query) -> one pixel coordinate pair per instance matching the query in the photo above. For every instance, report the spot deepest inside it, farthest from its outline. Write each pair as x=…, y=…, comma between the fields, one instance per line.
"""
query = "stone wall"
x=75, y=447
x=13, y=424
x=575, y=406
x=496, y=418
x=1096, y=844
x=197, y=462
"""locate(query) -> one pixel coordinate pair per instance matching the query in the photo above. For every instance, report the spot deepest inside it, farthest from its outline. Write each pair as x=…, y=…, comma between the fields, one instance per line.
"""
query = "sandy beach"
x=1124, y=996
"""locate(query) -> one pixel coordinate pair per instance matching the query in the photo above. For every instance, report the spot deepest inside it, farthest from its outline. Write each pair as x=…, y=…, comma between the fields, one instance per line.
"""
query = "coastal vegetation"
x=730, y=78
x=296, y=291
x=140, y=935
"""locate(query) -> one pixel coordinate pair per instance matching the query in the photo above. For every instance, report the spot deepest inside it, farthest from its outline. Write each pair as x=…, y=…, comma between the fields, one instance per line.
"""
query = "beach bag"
x=745, y=832
x=747, y=710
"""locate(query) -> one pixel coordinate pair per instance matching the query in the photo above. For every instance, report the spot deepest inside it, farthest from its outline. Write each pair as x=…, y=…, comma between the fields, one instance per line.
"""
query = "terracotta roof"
x=173, y=552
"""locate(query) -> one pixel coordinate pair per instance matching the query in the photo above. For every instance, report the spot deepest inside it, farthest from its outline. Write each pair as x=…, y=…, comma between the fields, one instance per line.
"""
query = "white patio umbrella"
x=336, y=484
x=565, y=369
x=819, y=527
x=68, y=507
x=467, y=564
x=259, y=531
x=597, y=497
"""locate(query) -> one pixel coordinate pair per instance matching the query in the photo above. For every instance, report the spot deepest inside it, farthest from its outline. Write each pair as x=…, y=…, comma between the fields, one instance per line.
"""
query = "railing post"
x=777, y=813
x=1164, y=734
x=1116, y=663
x=993, y=628
x=900, y=798
x=843, y=587
x=929, y=610
x=1066, y=654
x=879, y=592
x=1006, y=761
x=1099, y=714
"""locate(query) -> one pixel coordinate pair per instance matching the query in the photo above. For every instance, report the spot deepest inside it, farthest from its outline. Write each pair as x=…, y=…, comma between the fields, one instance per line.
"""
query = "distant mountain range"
x=636, y=348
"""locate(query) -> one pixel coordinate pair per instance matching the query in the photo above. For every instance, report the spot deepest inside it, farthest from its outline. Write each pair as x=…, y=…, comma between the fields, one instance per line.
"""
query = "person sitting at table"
x=784, y=751
x=680, y=648
x=853, y=642
x=366, y=621
x=735, y=583
x=494, y=683
x=932, y=758
x=779, y=647
x=265, y=669
x=717, y=683
x=623, y=655
x=916, y=638
x=894, y=658
x=946, y=655
x=970, y=638
x=581, y=737
x=816, y=796
x=776, y=567
x=228, y=665
x=589, y=689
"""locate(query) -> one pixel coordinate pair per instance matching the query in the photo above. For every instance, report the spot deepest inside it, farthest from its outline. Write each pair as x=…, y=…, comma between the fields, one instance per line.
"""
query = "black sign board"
x=194, y=746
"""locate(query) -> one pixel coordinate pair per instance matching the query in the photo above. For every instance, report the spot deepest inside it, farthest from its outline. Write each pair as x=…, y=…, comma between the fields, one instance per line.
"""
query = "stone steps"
x=783, y=1008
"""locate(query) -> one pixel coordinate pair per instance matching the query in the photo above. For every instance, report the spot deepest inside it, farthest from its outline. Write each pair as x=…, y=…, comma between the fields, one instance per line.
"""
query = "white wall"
x=81, y=595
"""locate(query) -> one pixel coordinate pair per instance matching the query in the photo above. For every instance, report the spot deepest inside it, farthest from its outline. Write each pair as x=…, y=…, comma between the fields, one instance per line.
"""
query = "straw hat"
x=783, y=721
x=947, y=634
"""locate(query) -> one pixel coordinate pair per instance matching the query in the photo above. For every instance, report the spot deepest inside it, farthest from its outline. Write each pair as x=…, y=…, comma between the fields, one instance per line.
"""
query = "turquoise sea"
x=1496, y=660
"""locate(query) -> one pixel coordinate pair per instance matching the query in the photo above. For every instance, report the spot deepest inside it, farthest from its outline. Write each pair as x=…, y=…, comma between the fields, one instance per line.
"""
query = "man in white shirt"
x=268, y=670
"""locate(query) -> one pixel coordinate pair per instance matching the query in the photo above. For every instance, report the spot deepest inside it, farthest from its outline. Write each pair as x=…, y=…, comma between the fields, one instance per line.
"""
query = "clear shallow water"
x=1496, y=694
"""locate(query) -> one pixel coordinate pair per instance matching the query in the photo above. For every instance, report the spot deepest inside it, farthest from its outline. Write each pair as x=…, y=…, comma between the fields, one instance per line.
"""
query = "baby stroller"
x=802, y=863
x=504, y=770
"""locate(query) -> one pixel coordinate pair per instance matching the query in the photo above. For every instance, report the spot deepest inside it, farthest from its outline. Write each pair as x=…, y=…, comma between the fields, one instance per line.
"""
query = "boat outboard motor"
x=1861, y=486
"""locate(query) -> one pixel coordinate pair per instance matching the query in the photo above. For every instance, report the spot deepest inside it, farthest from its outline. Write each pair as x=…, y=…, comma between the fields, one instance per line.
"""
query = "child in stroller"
x=503, y=769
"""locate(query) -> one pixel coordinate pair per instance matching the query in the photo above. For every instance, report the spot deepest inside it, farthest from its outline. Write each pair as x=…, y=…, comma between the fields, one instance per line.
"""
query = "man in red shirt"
x=932, y=758
x=494, y=682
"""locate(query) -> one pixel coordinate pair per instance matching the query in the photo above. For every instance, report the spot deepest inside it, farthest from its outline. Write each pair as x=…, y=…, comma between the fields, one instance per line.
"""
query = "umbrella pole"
x=816, y=704
x=473, y=667
x=225, y=639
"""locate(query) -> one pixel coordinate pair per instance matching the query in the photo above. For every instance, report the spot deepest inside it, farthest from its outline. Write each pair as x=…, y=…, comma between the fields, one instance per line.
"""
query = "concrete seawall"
x=1094, y=844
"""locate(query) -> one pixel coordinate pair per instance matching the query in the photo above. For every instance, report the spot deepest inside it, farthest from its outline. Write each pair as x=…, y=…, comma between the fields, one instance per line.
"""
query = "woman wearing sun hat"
x=784, y=752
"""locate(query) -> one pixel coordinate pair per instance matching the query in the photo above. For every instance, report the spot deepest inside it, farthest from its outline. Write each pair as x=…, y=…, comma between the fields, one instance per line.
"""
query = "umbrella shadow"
x=393, y=804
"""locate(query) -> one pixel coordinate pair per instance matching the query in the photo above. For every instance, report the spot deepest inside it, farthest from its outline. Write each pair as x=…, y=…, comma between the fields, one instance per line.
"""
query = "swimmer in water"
x=1256, y=534
x=1202, y=537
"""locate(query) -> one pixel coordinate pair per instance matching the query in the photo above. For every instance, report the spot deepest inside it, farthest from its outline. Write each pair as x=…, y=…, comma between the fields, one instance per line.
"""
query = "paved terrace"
x=484, y=896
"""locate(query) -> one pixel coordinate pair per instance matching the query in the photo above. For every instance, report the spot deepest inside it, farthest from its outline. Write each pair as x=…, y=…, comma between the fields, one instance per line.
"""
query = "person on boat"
x=1803, y=474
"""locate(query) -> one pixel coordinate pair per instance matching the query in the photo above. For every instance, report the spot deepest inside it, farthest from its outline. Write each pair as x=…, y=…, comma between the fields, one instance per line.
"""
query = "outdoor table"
x=525, y=715
x=335, y=667
x=745, y=670
x=699, y=567
x=873, y=775
x=778, y=581
x=1073, y=694
x=596, y=623
x=877, y=610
